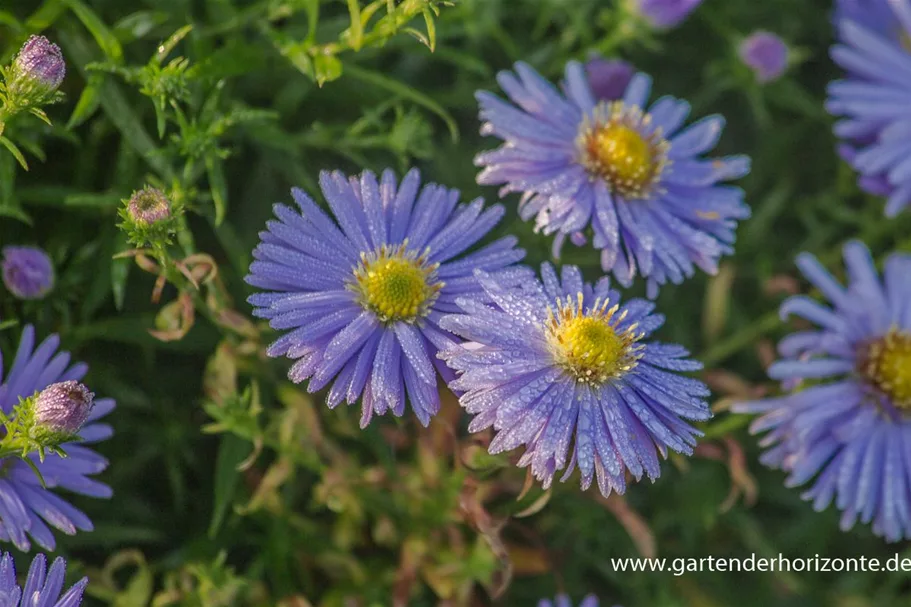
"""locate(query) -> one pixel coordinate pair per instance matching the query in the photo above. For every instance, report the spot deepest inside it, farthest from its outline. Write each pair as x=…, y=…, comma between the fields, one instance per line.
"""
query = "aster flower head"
x=567, y=370
x=42, y=586
x=28, y=272
x=361, y=299
x=874, y=48
x=665, y=14
x=766, y=54
x=37, y=72
x=563, y=600
x=844, y=425
x=608, y=78
x=626, y=172
x=26, y=508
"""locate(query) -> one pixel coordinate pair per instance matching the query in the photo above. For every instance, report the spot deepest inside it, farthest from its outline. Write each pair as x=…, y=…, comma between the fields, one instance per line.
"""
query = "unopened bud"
x=39, y=67
x=27, y=272
x=64, y=407
x=149, y=205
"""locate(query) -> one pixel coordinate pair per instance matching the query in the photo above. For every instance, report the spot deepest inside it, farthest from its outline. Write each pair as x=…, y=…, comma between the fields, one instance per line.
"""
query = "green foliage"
x=233, y=486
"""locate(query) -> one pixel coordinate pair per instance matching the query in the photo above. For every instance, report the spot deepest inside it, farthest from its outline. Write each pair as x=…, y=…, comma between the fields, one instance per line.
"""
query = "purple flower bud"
x=27, y=272
x=148, y=206
x=608, y=77
x=64, y=407
x=766, y=54
x=666, y=14
x=39, y=61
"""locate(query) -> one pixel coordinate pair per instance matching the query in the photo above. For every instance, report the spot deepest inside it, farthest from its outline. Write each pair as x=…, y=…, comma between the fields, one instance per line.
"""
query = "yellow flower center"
x=587, y=343
x=617, y=145
x=887, y=365
x=396, y=284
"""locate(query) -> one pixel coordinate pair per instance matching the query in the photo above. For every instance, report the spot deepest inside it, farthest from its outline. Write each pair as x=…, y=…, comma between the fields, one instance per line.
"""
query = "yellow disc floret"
x=396, y=284
x=886, y=364
x=588, y=344
x=618, y=145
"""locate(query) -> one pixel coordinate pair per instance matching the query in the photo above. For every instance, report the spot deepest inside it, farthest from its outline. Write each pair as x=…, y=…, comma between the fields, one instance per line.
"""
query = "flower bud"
x=608, y=78
x=766, y=54
x=27, y=272
x=148, y=206
x=37, y=69
x=665, y=14
x=63, y=407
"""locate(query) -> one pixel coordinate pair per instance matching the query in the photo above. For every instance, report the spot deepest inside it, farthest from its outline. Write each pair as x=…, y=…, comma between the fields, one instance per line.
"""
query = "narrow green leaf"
x=165, y=49
x=7, y=18
x=120, y=270
x=105, y=38
x=88, y=102
x=14, y=151
x=115, y=105
x=231, y=452
x=45, y=16
x=217, y=186
x=431, y=29
x=405, y=91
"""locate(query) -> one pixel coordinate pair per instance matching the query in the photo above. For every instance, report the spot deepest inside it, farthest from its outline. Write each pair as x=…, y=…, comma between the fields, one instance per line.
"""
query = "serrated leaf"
x=231, y=452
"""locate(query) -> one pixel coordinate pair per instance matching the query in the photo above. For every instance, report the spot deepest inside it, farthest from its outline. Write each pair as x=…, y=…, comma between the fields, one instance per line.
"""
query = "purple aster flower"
x=629, y=174
x=27, y=272
x=666, y=14
x=872, y=98
x=608, y=78
x=766, y=54
x=64, y=407
x=362, y=300
x=26, y=506
x=847, y=431
x=149, y=205
x=38, y=67
x=563, y=600
x=565, y=363
x=42, y=587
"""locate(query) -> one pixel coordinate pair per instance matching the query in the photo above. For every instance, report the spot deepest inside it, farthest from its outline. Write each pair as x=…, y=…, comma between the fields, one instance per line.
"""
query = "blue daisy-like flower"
x=565, y=363
x=27, y=508
x=627, y=173
x=562, y=600
x=874, y=39
x=42, y=587
x=847, y=420
x=362, y=300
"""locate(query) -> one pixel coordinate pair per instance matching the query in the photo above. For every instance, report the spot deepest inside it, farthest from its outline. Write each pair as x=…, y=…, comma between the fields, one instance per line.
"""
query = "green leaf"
x=115, y=105
x=8, y=19
x=14, y=151
x=231, y=452
x=120, y=270
x=165, y=49
x=217, y=186
x=326, y=68
x=139, y=25
x=88, y=101
x=45, y=16
x=431, y=29
x=405, y=91
x=105, y=38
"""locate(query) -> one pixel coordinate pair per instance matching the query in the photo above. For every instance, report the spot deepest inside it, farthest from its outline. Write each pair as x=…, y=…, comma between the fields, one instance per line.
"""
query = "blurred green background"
x=270, y=92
